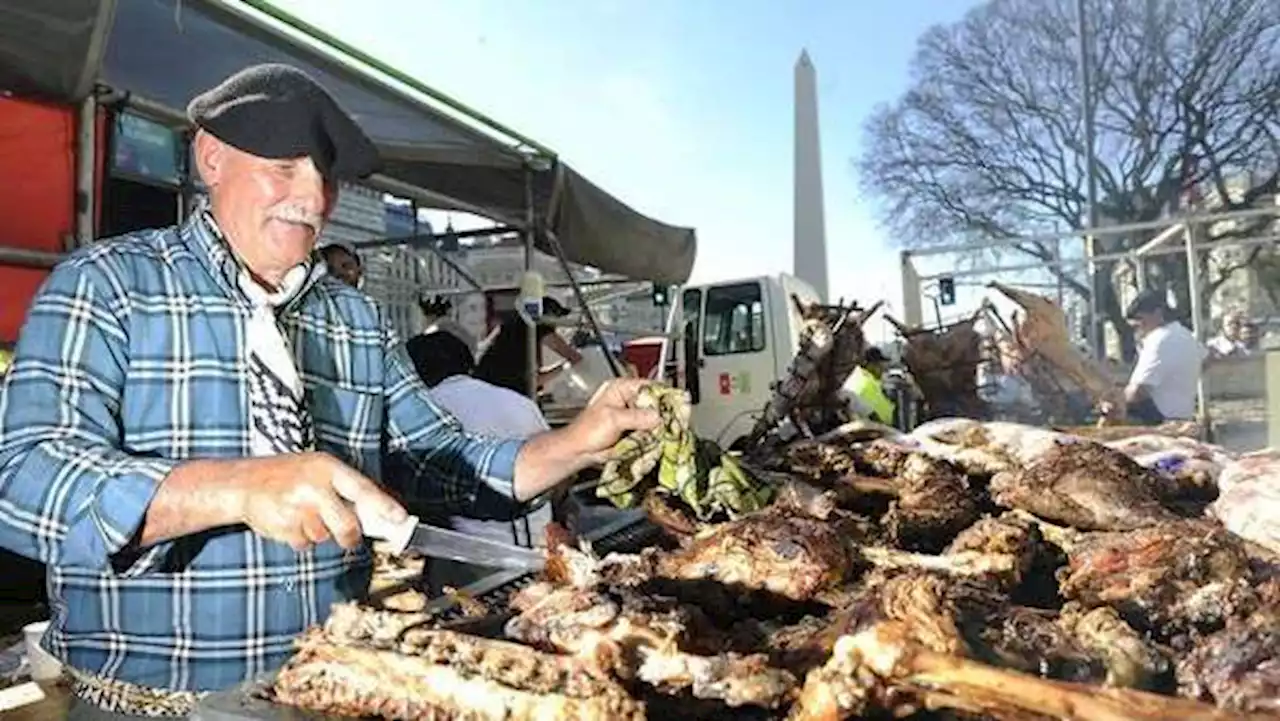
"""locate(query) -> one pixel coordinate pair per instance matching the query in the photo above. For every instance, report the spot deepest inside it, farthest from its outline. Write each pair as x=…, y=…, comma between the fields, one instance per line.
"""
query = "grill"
x=628, y=533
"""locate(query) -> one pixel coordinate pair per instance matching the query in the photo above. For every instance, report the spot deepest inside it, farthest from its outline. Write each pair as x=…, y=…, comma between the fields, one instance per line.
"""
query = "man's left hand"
x=610, y=414
x=546, y=460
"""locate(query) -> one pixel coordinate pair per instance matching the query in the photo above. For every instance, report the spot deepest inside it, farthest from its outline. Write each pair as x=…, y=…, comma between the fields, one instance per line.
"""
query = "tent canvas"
x=166, y=51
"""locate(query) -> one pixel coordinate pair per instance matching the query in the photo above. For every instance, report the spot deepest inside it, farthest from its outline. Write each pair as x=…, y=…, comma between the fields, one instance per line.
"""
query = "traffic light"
x=659, y=294
x=947, y=290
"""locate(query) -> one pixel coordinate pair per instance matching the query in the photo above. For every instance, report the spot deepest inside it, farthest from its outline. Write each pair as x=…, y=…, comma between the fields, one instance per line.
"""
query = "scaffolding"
x=1184, y=235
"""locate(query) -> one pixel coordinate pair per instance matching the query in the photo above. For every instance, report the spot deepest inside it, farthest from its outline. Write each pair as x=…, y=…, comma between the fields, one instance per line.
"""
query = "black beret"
x=277, y=111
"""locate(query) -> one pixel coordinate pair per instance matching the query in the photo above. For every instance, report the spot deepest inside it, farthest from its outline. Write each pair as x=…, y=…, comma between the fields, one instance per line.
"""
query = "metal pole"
x=86, y=196
x=29, y=258
x=1197, y=325
x=531, y=345
x=554, y=242
x=668, y=328
x=1107, y=232
x=1091, y=176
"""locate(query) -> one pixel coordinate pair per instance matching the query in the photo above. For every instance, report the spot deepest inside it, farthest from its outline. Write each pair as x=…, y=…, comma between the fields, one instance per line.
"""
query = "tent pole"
x=554, y=242
x=531, y=345
x=86, y=174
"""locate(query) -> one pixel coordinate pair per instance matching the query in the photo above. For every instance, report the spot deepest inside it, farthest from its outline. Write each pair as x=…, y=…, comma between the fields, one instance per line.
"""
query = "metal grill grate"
x=627, y=534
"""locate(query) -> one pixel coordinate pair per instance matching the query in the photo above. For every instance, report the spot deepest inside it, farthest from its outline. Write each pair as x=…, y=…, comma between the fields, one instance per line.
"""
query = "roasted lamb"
x=449, y=676
x=1087, y=486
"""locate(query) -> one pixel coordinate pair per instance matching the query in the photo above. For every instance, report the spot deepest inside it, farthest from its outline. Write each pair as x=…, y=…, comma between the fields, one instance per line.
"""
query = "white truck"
x=740, y=336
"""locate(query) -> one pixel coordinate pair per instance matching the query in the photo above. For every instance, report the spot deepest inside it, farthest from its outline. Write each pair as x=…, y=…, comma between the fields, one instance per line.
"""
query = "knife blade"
x=443, y=543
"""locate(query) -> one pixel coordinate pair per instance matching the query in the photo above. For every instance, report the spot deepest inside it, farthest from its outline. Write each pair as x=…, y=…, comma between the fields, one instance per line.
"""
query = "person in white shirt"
x=1163, y=383
x=444, y=356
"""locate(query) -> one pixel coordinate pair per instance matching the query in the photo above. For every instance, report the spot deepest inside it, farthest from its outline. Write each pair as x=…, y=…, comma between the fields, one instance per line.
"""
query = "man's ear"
x=210, y=154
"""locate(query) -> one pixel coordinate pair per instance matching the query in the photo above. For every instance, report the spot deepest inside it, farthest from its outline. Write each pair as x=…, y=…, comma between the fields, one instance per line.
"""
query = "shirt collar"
x=211, y=247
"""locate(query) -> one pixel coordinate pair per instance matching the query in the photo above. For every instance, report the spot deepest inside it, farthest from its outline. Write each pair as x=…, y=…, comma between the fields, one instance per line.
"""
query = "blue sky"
x=681, y=108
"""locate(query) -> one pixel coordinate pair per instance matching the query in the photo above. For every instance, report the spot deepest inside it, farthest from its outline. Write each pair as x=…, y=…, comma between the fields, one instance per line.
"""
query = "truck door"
x=738, y=365
x=691, y=303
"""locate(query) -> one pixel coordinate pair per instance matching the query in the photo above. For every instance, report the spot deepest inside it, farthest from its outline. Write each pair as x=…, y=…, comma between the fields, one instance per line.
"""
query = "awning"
x=167, y=51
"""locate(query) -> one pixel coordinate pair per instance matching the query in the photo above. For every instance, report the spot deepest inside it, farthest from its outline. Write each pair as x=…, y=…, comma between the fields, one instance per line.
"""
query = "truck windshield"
x=734, y=320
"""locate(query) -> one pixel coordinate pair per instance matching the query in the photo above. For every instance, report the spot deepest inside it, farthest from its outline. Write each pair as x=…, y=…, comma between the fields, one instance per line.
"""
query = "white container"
x=43, y=666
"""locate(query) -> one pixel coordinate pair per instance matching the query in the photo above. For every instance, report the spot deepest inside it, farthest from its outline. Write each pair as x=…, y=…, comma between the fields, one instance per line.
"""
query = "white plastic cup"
x=43, y=666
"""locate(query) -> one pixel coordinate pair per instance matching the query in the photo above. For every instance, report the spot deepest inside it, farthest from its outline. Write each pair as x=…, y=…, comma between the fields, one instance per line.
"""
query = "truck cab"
x=739, y=338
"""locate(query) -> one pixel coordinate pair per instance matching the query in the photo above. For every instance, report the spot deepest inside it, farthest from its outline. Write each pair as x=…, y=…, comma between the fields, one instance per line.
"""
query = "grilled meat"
x=1237, y=667
x=781, y=551
x=1019, y=539
x=884, y=667
x=929, y=498
x=654, y=639
x=581, y=621
x=1030, y=640
x=450, y=676
x=832, y=602
x=1164, y=579
x=1087, y=486
x=1129, y=660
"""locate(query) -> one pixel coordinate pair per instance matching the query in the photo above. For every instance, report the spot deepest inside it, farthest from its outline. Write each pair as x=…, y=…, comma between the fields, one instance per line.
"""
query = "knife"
x=443, y=543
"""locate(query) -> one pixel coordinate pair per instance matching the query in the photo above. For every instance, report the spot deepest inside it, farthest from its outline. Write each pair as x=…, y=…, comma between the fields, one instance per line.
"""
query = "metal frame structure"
x=538, y=219
x=1189, y=226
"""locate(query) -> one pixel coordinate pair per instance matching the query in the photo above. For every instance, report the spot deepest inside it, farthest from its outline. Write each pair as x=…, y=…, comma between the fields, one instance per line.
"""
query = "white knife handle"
x=375, y=525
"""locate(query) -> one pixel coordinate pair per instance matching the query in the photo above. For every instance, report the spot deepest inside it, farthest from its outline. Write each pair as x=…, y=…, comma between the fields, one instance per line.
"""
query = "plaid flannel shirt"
x=130, y=362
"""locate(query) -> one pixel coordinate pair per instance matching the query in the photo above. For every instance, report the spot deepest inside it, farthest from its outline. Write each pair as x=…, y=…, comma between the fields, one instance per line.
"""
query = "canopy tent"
x=164, y=52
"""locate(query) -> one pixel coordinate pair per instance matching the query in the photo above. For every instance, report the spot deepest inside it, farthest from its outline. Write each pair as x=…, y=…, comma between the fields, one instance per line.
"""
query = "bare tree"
x=988, y=143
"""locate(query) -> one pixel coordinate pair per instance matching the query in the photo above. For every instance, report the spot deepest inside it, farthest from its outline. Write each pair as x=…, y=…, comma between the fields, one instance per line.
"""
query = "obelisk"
x=810, y=224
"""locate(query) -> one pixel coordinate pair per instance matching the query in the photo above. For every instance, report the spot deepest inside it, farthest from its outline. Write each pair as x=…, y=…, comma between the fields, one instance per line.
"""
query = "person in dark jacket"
x=505, y=363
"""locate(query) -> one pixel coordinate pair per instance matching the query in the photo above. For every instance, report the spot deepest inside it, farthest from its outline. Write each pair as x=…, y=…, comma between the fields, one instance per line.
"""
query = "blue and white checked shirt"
x=132, y=360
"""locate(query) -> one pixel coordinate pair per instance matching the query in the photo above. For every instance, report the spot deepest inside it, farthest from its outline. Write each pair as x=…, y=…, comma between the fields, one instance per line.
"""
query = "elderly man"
x=194, y=412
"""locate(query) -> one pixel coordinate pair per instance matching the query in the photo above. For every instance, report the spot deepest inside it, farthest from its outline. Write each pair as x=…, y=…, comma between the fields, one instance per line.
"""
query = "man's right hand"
x=307, y=498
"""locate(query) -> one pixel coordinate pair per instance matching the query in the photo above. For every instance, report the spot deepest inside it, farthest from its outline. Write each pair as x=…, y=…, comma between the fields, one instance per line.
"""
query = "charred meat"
x=450, y=676
x=928, y=499
x=779, y=551
x=1237, y=667
x=1164, y=579
x=1129, y=660
x=1087, y=486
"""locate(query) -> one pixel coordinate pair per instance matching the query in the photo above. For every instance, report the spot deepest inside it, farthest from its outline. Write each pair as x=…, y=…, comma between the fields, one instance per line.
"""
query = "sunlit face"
x=270, y=210
x=1233, y=327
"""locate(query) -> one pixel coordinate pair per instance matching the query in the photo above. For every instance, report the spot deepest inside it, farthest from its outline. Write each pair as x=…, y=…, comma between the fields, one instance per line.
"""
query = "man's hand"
x=306, y=499
x=609, y=415
x=550, y=458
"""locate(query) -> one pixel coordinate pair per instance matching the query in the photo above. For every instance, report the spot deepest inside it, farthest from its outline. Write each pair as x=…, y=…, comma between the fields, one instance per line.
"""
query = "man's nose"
x=309, y=188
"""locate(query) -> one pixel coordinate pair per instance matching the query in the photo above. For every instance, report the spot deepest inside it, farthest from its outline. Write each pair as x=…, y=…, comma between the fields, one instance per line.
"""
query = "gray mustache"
x=301, y=217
